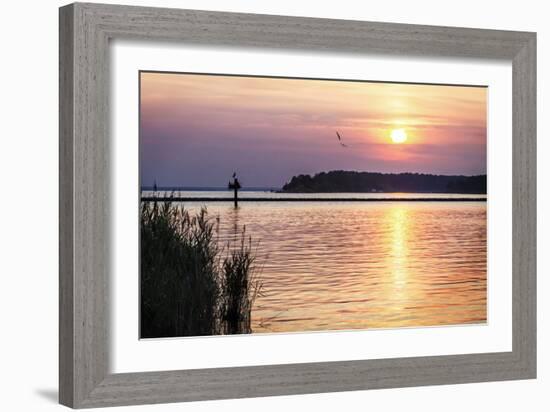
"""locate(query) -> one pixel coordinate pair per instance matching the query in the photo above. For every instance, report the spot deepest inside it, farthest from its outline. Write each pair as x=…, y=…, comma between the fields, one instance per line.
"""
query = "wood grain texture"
x=66, y=229
x=524, y=187
x=85, y=31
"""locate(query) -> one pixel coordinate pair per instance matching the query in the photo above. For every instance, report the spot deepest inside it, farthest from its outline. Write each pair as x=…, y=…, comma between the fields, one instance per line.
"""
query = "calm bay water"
x=357, y=265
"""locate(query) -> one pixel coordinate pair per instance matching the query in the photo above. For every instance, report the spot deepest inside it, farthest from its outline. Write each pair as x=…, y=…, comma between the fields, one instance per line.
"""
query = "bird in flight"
x=340, y=140
x=234, y=175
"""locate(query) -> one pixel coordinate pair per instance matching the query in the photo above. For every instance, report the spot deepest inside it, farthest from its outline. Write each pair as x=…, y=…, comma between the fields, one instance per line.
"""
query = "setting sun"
x=398, y=135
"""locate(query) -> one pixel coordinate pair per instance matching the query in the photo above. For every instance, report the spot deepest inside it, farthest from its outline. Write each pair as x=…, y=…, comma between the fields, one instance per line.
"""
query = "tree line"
x=362, y=182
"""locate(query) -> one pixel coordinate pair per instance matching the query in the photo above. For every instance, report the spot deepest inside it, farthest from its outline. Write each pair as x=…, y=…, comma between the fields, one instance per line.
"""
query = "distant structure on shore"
x=235, y=185
x=364, y=182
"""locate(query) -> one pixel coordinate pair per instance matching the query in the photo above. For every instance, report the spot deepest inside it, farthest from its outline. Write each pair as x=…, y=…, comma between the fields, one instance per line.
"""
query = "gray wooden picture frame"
x=85, y=32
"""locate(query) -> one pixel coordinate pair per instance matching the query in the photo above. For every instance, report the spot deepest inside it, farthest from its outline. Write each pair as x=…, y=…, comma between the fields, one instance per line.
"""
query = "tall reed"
x=190, y=285
x=240, y=286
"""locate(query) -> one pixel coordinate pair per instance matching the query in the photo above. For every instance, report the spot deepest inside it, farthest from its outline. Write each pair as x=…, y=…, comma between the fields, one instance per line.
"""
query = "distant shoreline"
x=306, y=199
x=365, y=182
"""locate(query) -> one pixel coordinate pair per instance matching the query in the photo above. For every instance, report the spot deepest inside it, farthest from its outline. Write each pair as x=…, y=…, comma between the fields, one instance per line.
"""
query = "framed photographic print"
x=257, y=205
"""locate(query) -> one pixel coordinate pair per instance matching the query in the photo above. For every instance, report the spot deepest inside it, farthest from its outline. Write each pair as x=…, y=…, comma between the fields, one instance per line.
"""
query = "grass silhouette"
x=190, y=285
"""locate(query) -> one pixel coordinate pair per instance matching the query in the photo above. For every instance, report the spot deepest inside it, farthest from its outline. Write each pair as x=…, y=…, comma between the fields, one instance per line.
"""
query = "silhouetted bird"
x=340, y=140
x=234, y=175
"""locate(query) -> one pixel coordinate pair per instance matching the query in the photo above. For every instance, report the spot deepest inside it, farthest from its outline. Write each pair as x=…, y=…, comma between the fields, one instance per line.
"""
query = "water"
x=256, y=194
x=358, y=265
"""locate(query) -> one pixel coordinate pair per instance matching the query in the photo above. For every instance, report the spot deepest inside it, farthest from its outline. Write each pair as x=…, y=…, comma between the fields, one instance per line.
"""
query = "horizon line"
x=187, y=187
x=319, y=199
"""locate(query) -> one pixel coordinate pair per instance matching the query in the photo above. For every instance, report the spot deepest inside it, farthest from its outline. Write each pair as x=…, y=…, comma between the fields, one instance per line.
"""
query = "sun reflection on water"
x=364, y=265
x=397, y=217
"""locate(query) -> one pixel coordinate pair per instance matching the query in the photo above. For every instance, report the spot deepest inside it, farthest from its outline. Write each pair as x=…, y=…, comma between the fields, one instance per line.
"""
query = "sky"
x=196, y=130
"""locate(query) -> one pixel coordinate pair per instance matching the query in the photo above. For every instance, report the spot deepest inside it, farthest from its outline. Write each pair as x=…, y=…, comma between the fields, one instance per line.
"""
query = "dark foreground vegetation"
x=361, y=182
x=190, y=285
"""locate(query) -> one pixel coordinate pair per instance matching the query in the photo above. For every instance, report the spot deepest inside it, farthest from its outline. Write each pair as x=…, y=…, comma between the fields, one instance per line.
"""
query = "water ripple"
x=363, y=265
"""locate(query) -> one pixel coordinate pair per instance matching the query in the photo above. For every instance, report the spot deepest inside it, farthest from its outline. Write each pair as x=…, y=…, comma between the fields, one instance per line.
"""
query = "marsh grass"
x=240, y=286
x=190, y=284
